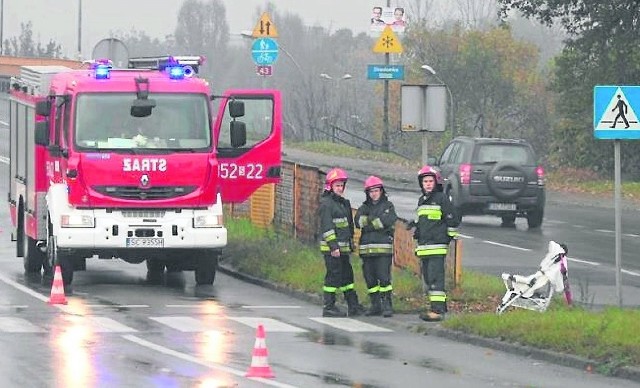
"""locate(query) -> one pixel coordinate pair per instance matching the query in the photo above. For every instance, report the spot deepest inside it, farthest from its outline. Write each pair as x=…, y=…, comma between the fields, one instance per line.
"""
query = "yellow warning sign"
x=388, y=42
x=265, y=28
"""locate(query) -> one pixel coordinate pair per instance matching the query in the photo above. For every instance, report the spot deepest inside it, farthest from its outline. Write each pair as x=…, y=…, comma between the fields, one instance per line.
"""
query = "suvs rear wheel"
x=534, y=218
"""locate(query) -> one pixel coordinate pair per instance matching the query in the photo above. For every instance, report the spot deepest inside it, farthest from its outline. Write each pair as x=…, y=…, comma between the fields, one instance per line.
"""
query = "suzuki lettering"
x=150, y=164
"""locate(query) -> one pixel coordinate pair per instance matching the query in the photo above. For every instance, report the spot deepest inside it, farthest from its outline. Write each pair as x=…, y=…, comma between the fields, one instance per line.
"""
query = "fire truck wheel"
x=33, y=257
x=206, y=270
x=52, y=258
x=155, y=271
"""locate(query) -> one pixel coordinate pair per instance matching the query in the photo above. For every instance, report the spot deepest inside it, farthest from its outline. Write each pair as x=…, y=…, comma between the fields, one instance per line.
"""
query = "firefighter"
x=436, y=224
x=376, y=218
x=336, y=229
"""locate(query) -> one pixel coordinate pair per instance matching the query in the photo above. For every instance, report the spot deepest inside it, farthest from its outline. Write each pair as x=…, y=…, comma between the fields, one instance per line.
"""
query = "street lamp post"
x=337, y=81
x=430, y=70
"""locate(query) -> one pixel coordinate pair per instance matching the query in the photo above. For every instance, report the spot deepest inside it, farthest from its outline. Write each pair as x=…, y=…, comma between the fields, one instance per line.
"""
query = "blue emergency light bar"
x=102, y=68
x=178, y=67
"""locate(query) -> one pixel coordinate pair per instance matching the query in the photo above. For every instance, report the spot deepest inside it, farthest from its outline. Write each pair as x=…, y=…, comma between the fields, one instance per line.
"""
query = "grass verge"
x=609, y=337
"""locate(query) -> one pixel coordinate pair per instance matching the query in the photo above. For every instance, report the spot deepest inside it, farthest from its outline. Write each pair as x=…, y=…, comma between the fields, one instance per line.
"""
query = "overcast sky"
x=58, y=19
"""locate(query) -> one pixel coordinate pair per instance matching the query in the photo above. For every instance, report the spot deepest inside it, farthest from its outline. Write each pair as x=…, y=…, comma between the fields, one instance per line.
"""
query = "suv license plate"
x=502, y=206
x=133, y=242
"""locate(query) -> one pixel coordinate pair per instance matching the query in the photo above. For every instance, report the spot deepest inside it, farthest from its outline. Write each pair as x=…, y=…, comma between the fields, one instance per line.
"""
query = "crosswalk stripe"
x=270, y=325
x=351, y=325
x=100, y=324
x=18, y=325
x=183, y=324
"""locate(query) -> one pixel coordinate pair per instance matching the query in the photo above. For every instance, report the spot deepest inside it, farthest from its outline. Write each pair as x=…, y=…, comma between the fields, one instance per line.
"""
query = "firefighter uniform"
x=336, y=229
x=436, y=224
x=376, y=220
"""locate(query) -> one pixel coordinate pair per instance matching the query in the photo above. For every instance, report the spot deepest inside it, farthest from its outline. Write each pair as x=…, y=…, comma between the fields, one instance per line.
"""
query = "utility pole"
x=1, y=26
x=79, y=29
x=385, y=117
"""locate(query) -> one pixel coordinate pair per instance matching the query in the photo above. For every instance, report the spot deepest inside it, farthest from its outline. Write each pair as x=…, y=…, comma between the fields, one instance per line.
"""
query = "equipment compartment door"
x=243, y=168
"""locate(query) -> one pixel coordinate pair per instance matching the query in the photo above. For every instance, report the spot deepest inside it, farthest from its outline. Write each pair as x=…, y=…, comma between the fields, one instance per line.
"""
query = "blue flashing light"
x=102, y=71
x=176, y=72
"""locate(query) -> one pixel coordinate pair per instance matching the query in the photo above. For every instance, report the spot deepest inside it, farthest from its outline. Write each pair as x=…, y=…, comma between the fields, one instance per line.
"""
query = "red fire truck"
x=133, y=164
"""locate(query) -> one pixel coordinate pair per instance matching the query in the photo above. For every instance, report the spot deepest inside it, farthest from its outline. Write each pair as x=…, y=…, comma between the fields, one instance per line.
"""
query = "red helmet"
x=371, y=182
x=428, y=170
x=335, y=174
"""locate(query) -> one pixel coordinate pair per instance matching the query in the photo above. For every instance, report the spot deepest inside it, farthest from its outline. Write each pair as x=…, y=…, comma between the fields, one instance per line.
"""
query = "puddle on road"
x=328, y=337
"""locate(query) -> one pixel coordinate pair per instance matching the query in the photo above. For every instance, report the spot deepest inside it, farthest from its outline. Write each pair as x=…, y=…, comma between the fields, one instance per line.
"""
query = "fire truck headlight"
x=76, y=221
x=208, y=221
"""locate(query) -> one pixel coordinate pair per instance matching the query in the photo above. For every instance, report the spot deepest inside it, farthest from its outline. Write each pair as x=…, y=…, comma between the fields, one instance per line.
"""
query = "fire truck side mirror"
x=43, y=108
x=142, y=107
x=238, y=133
x=236, y=108
x=42, y=133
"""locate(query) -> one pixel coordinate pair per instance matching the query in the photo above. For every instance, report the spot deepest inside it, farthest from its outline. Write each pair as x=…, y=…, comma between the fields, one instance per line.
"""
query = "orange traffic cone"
x=57, y=288
x=259, y=364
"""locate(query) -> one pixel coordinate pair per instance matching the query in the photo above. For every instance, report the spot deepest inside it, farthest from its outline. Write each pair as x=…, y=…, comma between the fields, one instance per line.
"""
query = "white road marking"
x=630, y=272
x=506, y=245
x=18, y=325
x=6, y=124
x=24, y=289
x=127, y=306
x=465, y=236
x=185, y=324
x=5, y=160
x=270, y=325
x=99, y=324
x=350, y=325
x=604, y=231
x=579, y=226
x=270, y=307
x=631, y=235
x=555, y=222
x=192, y=359
x=582, y=261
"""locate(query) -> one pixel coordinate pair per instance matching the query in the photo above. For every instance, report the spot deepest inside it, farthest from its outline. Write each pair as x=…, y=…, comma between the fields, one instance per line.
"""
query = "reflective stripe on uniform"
x=437, y=296
x=372, y=249
x=347, y=287
x=386, y=289
x=373, y=290
x=341, y=223
x=452, y=232
x=329, y=235
x=330, y=289
x=344, y=247
x=431, y=249
x=432, y=212
x=377, y=223
x=362, y=221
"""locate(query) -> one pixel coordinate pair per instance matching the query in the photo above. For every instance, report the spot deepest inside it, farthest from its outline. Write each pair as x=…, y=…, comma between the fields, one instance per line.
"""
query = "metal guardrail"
x=353, y=140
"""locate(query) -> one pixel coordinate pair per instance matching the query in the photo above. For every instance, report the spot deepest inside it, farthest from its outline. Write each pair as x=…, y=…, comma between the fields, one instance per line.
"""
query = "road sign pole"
x=385, y=119
x=618, y=221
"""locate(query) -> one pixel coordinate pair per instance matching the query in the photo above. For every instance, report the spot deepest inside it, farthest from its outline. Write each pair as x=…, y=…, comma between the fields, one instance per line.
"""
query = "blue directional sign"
x=385, y=72
x=264, y=51
x=614, y=112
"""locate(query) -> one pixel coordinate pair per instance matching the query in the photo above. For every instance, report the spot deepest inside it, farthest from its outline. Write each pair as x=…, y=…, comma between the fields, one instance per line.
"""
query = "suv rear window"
x=520, y=154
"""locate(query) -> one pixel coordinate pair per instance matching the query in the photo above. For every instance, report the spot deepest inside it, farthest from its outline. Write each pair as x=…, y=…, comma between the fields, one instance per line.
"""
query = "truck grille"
x=135, y=192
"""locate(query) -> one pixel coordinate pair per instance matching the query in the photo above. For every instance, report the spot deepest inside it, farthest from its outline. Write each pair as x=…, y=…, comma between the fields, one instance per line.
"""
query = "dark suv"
x=494, y=176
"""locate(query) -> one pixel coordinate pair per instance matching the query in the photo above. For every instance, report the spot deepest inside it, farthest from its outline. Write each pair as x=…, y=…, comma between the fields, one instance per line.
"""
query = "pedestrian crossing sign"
x=614, y=112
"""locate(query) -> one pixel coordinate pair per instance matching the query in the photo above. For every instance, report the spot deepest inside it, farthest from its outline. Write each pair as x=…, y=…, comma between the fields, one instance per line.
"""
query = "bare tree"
x=478, y=14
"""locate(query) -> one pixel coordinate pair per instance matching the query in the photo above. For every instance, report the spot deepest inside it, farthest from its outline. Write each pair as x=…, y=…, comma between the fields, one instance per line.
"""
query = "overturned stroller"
x=535, y=292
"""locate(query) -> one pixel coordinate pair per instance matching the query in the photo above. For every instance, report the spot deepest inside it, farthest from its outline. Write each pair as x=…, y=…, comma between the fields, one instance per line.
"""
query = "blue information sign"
x=264, y=51
x=385, y=72
x=614, y=112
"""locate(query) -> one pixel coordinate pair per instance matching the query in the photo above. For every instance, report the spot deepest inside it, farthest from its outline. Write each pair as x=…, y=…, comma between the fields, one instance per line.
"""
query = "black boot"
x=330, y=309
x=387, y=309
x=376, y=307
x=354, y=307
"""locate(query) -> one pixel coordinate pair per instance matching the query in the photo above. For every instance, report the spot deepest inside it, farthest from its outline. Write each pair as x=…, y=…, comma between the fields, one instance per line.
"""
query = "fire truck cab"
x=133, y=164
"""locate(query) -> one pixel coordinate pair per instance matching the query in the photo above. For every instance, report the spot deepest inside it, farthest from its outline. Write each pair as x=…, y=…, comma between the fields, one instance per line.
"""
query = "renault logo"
x=144, y=180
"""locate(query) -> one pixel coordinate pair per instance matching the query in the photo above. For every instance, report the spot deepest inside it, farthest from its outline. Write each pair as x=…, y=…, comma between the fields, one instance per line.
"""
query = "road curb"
x=588, y=366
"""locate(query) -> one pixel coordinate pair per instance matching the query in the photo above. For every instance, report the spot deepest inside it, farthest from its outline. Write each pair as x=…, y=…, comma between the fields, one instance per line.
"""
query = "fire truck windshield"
x=178, y=122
